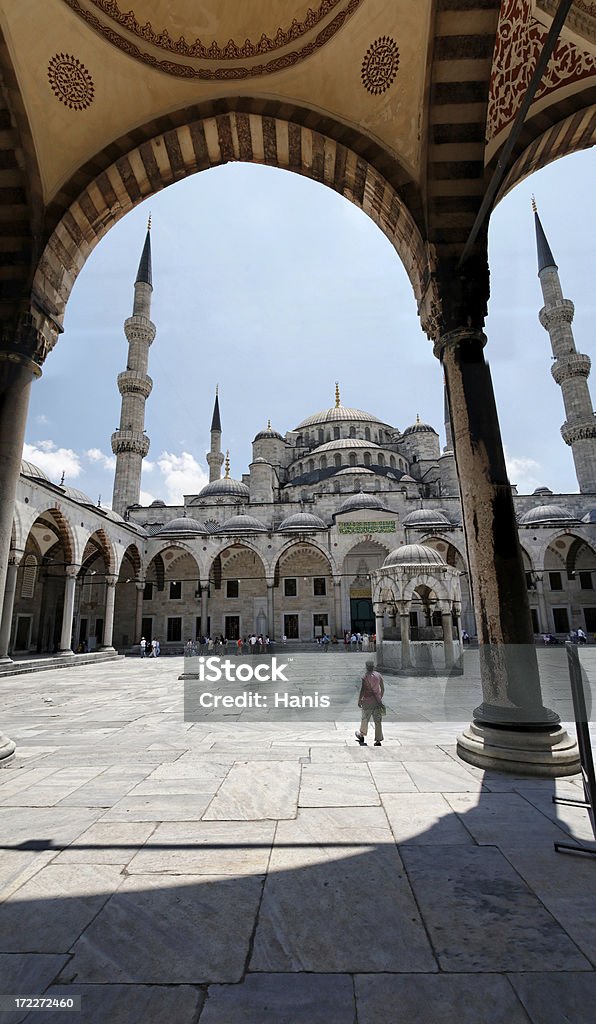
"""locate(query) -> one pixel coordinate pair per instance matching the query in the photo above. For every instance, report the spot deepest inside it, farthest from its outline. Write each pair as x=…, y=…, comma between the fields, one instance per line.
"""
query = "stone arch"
x=426, y=579
x=102, y=542
x=199, y=139
x=570, y=135
x=556, y=547
x=133, y=555
x=311, y=543
x=62, y=527
x=225, y=545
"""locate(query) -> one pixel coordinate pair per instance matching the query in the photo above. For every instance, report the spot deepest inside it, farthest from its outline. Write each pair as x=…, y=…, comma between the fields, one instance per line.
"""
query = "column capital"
x=140, y=585
x=111, y=580
x=458, y=337
x=27, y=337
x=72, y=571
x=15, y=556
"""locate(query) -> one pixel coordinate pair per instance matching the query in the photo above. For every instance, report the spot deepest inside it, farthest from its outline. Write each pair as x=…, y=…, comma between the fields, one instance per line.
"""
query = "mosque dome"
x=547, y=515
x=28, y=469
x=75, y=495
x=424, y=518
x=268, y=434
x=419, y=428
x=338, y=414
x=413, y=554
x=242, y=524
x=301, y=521
x=184, y=525
x=158, y=503
x=542, y=490
x=225, y=487
x=362, y=501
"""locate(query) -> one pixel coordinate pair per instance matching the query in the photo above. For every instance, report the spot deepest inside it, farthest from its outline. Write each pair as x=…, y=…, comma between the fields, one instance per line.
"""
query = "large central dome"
x=338, y=414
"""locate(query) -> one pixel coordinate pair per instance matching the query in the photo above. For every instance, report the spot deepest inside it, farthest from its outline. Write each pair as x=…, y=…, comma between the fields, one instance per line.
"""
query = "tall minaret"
x=130, y=444
x=214, y=455
x=570, y=368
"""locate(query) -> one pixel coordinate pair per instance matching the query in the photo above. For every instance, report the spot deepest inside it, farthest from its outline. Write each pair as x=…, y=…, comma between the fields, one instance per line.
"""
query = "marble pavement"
x=242, y=872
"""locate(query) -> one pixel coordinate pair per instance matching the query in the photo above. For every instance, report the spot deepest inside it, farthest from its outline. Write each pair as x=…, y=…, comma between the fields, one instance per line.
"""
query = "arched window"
x=311, y=465
x=367, y=433
x=336, y=433
x=29, y=576
x=352, y=431
x=323, y=463
x=321, y=438
x=367, y=458
x=352, y=458
x=381, y=459
x=392, y=461
x=337, y=460
x=306, y=437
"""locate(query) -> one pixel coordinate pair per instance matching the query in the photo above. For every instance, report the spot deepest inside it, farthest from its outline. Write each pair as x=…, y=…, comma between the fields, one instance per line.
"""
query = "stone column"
x=108, y=615
x=204, y=608
x=404, y=623
x=8, y=606
x=392, y=616
x=512, y=729
x=542, y=604
x=447, y=627
x=379, y=610
x=140, y=587
x=338, y=631
x=270, y=611
x=70, y=583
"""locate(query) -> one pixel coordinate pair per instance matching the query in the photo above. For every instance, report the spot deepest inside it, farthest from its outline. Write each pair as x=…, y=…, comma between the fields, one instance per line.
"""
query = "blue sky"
x=274, y=287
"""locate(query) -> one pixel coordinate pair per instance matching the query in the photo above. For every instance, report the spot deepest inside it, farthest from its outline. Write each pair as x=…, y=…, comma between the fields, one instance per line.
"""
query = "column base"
x=7, y=750
x=6, y=660
x=548, y=753
x=63, y=654
x=106, y=650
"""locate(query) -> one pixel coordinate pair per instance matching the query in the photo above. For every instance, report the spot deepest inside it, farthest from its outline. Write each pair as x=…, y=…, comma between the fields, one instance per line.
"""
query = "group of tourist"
x=150, y=648
x=359, y=641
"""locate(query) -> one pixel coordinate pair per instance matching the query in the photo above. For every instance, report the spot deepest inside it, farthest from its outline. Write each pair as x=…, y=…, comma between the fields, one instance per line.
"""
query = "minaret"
x=130, y=443
x=570, y=368
x=214, y=455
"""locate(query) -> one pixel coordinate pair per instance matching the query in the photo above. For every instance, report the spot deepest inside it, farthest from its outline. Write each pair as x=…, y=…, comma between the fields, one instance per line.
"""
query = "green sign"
x=380, y=526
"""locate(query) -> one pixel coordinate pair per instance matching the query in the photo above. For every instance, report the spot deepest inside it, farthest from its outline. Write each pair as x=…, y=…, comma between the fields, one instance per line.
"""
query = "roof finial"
x=269, y=423
x=149, y=223
x=533, y=201
x=417, y=419
x=62, y=479
x=228, y=464
x=216, y=390
x=337, y=396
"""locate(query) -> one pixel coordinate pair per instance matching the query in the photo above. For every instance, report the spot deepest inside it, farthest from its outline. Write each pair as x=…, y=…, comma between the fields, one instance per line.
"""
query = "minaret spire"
x=570, y=368
x=214, y=455
x=130, y=444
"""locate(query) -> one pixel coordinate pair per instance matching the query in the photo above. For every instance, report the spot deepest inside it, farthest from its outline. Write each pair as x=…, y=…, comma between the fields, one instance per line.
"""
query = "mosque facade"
x=288, y=548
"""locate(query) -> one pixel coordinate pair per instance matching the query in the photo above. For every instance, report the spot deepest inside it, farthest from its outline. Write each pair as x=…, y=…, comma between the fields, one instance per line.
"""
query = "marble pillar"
x=8, y=607
x=108, y=615
x=70, y=582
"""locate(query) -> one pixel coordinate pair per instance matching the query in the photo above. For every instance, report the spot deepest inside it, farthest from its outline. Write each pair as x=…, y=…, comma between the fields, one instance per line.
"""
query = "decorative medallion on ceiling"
x=221, y=40
x=380, y=65
x=70, y=81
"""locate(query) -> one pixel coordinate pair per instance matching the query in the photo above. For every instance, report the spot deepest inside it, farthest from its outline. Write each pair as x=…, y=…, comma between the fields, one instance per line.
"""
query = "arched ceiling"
x=424, y=91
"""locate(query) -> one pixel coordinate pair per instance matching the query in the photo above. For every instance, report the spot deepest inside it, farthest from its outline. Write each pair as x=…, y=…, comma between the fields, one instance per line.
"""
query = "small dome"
x=413, y=554
x=75, y=495
x=353, y=470
x=301, y=521
x=242, y=524
x=114, y=516
x=28, y=469
x=343, y=442
x=180, y=526
x=224, y=488
x=423, y=518
x=158, y=503
x=419, y=428
x=268, y=434
x=362, y=501
x=547, y=515
x=261, y=460
x=542, y=490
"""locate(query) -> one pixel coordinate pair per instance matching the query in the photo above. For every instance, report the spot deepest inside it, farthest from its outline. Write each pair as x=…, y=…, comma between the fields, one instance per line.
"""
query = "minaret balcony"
x=572, y=432
x=130, y=441
x=574, y=365
x=131, y=382
x=140, y=328
x=559, y=312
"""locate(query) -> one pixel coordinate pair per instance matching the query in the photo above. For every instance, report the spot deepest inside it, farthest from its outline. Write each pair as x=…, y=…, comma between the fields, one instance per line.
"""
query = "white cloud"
x=54, y=461
x=42, y=419
x=97, y=456
x=181, y=475
x=148, y=466
x=146, y=498
x=523, y=472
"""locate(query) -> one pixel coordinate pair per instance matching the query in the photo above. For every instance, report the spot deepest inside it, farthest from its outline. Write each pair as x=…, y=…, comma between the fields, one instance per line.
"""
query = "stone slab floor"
x=237, y=872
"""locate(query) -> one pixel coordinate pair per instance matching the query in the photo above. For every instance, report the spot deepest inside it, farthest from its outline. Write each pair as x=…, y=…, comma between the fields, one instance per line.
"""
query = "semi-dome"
x=424, y=518
x=225, y=487
x=419, y=428
x=242, y=524
x=362, y=501
x=344, y=442
x=413, y=554
x=301, y=521
x=546, y=515
x=28, y=469
x=182, y=525
x=354, y=470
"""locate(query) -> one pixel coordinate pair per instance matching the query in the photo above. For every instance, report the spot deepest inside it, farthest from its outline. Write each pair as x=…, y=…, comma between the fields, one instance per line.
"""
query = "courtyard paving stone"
x=219, y=872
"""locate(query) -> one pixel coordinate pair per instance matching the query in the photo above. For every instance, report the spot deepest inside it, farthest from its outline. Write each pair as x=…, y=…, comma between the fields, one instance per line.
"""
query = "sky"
x=273, y=287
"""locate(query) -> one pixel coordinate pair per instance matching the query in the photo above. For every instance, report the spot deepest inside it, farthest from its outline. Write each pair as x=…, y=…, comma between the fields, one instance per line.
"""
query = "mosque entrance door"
x=362, y=615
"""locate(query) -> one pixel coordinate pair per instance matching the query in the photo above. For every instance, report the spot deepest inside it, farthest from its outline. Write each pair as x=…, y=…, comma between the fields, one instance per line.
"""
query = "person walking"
x=370, y=700
x=143, y=646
